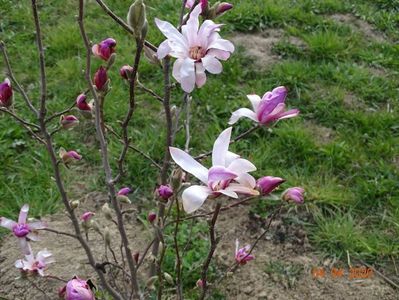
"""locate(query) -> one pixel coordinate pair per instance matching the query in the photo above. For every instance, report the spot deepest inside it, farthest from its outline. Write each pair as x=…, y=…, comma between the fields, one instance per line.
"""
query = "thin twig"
x=61, y=233
x=10, y=73
x=59, y=114
x=212, y=249
x=179, y=291
x=187, y=99
x=122, y=23
x=141, y=260
x=149, y=91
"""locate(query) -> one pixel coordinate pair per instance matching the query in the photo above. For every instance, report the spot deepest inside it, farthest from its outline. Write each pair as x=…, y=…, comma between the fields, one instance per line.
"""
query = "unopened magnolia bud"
x=151, y=217
x=161, y=247
x=69, y=157
x=107, y=211
x=101, y=79
x=136, y=18
x=68, y=122
x=150, y=282
x=223, y=7
x=6, y=93
x=104, y=49
x=107, y=236
x=294, y=194
x=177, y=177
x=74, y=204
x=94, y=224
x=165, y=192
x=111, y=60
x=123, y=199
x=126, y=71
x=168, y=278
x=151, y=55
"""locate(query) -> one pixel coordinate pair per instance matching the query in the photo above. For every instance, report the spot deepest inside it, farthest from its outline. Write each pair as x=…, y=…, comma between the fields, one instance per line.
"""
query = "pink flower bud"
x=204, y=4
x=126, y=71
x=104, y=49
x=124, y=191
x=87, y=216
x=136, y=257
x=69, y=121
x=68, y=157
x=151, y=217
x=242, y=255
x=5, y=93
x=223, y=7
x=100, y=78
x=76, y=289
x=165, y=192
x=267, y=184
x=200, y=283
x=295, y=194
x=81, y=103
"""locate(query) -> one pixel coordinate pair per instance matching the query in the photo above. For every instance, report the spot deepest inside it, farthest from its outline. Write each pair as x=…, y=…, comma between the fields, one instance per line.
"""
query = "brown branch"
x=178, y=269
x=212, y=249
x=106, y=164
x=149, y=91
x=10, y=73
x=61, y=233
x=122, y=23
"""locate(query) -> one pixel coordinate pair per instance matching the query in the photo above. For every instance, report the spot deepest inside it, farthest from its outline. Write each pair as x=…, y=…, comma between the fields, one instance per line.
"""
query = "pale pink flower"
x=35, y=264
x=228, y=174
x=241, y=255
x=295, y=194
x=197, y=49
x=87, y=216
x=269, y=109
x=104, y=49
x=76, y=289
x=267, y=184
x=6, y=93
x=23, y=230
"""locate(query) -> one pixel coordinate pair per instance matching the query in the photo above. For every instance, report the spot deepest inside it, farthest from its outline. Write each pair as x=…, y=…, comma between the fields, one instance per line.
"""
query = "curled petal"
x=163, y=49
x=220, y=148
x=194, y=196
x=23, y=214
x=241, y=165
x=240, y=113
x=255, y=101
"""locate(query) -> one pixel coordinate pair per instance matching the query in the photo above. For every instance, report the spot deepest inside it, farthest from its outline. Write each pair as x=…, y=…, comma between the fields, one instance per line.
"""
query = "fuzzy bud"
x=68, y=122
x=222, y=8
x=137, y=20
x=69, y=157
x=107, y=211
x=107, y=236
x=74, y=204
x=177, y=177
x=94, y=224
x=151, y=217
x=168, y=278
x=161, y=247
x=111, y=61
x=151, y=55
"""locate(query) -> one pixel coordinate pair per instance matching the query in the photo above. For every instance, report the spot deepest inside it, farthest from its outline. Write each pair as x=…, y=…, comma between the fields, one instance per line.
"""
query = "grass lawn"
x=343, y=149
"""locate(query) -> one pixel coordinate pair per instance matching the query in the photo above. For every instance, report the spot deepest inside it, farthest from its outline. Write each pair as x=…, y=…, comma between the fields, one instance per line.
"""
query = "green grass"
x=351, y=177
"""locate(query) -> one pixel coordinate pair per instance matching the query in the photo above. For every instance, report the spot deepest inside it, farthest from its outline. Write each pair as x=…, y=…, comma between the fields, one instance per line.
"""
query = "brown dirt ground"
x=281, y=270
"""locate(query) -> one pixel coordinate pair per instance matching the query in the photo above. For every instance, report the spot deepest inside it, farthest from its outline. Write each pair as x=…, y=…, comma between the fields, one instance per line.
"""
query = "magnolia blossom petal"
x=240, y=113
x=241, y=165
x=222, y=44
x=288, y=114
x=19, y=264
x=33, y=236
x=219, y=54
x=163, y=49
x=194, y=196
x=268, y=116
x=38, y=225
x=230, y=156
x=7, y=223
x=229, y=193
x=255, y=100
x=241, y=189
x=23, y=214
x=172, y=33
x=220, y=148
x=190, y=30
x=212, y=65
x=189, y=164
x=176, y=69
x=219, y=173
x=246, y=180
x=187, y=75
x=206, y=29
x=200, y=76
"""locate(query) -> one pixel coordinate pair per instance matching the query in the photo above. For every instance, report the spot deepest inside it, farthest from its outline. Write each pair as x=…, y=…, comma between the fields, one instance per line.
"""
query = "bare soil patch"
x=282, y=268
x=360, y=25
x=322, y=135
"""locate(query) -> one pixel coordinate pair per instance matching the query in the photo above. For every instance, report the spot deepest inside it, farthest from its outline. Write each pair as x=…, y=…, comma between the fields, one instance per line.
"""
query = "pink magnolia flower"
x=77, y=289
x=87, y=216
x=268, y=183
x=197, y=49
x=124, y=191
x=104, y=49
x=125, y=71
x=100, y=78
x=203, y=3
x=223, y=7
x=241, y=255
x=228, y=174
x=35, y=264
x=165, y=192
x=68, y=122
x=294, y=194
x=23, y=230
x=5, y=93
x=269, y=109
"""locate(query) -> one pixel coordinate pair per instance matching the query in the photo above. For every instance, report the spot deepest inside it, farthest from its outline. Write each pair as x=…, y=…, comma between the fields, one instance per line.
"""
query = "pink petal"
x=271, y=116
x=38, y=225
x=190, y=30
x=212, y=65
x=205, y=31
x=288, y=114
x=7, y=223
x=220, y=148
x=200, y=76
x=246, y=180
x=176, y=69
x=95, y=49
x=230, y=156
x=241, y=165
x=189, y=164
x=172, y=33
x=222, y=44
x=219, y=54
x=23, y=214
x=240, y=113
x=163, y=49
x=219, y=173
x=194, y=196
x=33, y=236
x=187, y=73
